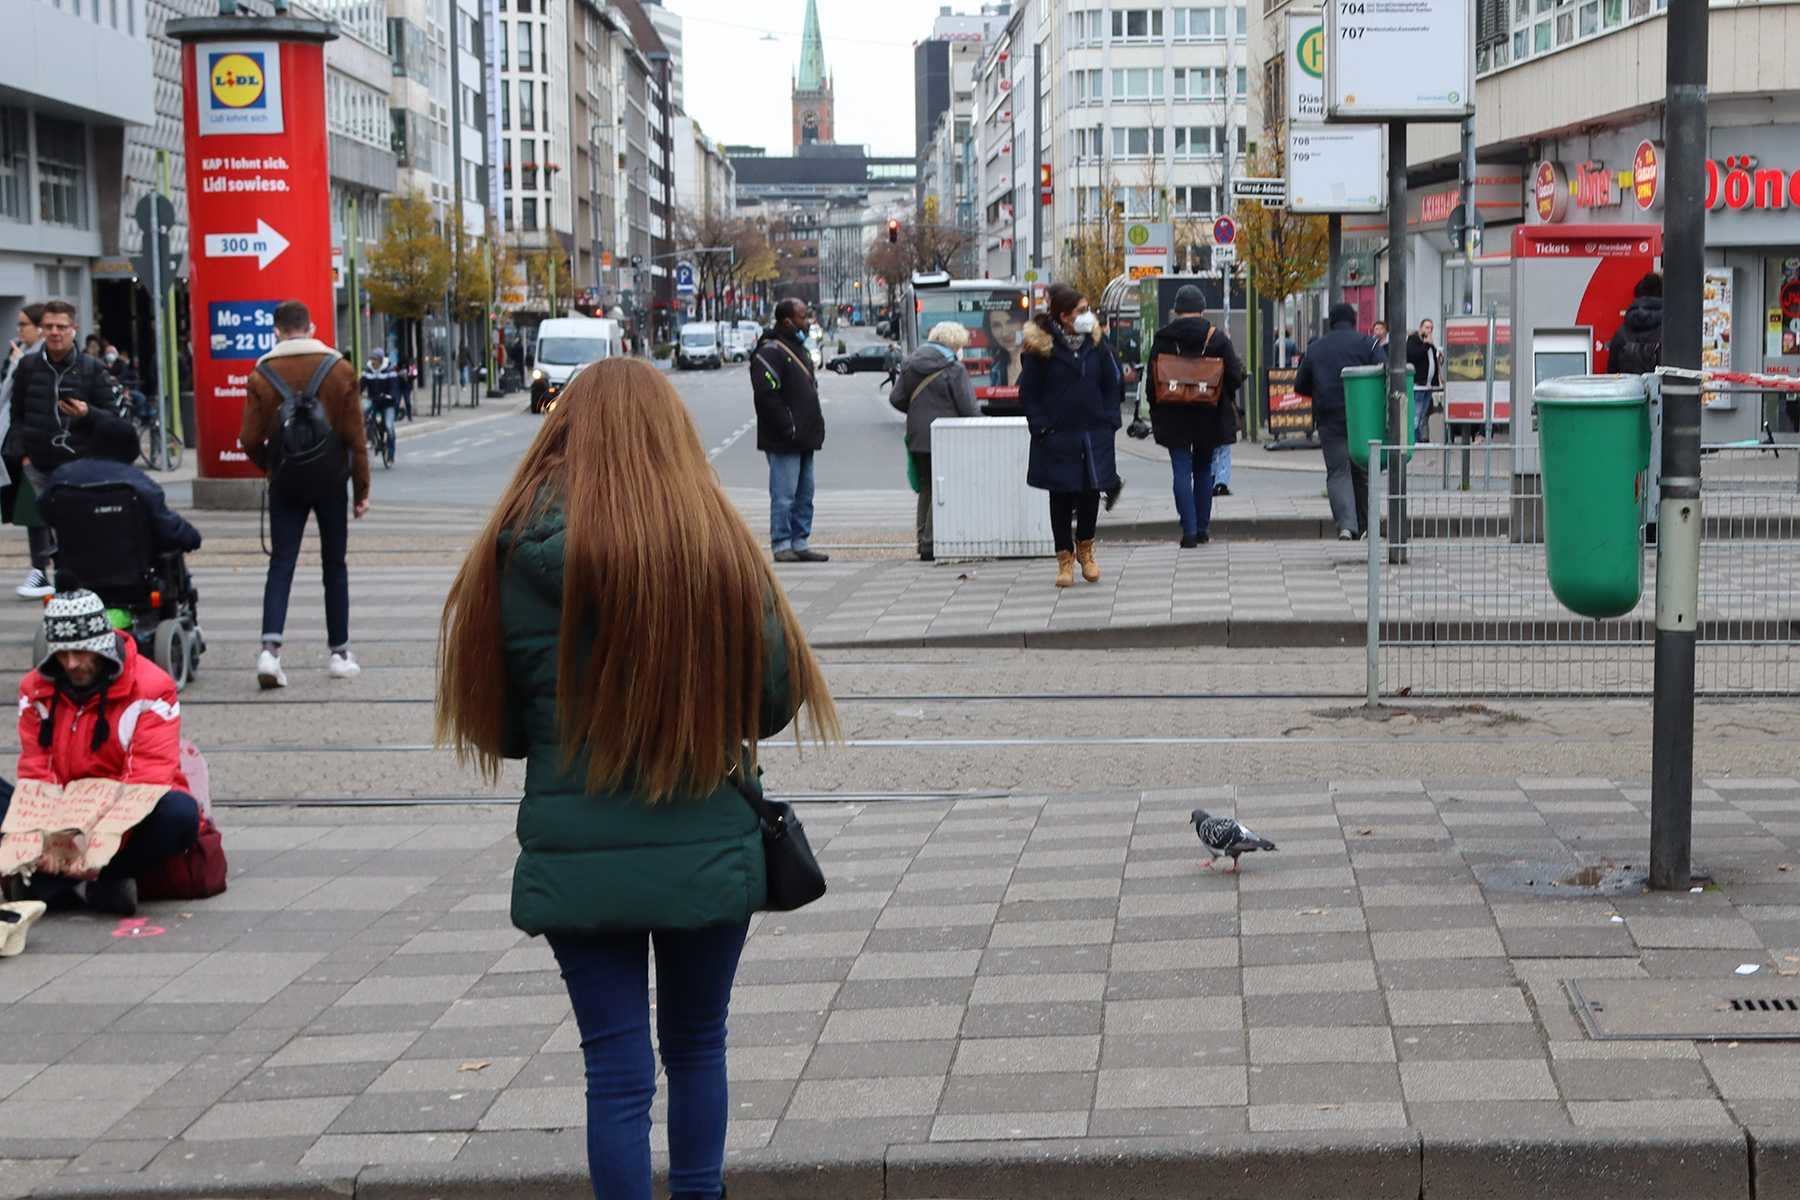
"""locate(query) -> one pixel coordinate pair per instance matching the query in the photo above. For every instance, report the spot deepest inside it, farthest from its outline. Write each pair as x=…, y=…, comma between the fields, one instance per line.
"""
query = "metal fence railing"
x=1460, y=601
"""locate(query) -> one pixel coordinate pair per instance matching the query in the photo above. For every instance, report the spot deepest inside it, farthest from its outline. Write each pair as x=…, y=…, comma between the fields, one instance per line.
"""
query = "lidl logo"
x=239, y=86
x=238, y=80
x=1311, y=52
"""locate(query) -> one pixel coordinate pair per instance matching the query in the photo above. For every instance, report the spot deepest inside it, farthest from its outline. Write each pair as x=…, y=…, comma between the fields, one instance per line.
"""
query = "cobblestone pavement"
x=989, y=970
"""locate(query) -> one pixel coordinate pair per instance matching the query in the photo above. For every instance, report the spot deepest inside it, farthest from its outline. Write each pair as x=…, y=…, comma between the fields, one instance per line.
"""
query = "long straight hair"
x=660, y=648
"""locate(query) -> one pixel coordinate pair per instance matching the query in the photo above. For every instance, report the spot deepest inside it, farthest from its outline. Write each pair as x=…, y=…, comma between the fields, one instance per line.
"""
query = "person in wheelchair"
x=172, y=532
x=118, y=537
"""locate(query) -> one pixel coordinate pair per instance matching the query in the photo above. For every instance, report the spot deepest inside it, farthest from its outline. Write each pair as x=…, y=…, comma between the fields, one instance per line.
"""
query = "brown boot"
x=1065, y=569
x=1084, y=554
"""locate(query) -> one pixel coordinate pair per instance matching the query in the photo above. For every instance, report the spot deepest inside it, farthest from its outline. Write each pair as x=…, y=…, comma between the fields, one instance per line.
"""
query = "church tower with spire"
x=813, y=118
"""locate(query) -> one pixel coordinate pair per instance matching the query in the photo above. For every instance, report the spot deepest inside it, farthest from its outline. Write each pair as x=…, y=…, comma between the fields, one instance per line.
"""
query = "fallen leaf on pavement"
x=480, y=1064
x=1784, y=866
x=1364, y=832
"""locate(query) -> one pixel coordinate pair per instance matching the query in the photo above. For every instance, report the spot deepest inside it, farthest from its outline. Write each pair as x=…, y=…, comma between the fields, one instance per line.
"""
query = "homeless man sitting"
x=97, y=709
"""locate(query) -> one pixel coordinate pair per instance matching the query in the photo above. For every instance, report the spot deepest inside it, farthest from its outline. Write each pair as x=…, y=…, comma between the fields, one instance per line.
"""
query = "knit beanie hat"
x=77, y=621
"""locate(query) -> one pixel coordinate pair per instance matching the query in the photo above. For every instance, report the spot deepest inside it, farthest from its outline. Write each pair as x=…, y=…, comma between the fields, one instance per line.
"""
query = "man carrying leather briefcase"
x=1191, y=387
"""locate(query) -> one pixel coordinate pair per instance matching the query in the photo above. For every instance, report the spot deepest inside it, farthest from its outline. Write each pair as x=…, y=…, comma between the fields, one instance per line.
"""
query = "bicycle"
x=159, y=452
x=381, y=443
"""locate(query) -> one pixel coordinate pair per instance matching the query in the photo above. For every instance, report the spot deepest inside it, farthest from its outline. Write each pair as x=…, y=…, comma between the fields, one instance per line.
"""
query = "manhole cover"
x=1696, y=1010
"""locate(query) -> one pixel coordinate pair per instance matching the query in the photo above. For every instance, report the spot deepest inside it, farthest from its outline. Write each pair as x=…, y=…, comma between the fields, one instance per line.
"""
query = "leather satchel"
x=795, y=878
x=1182, y=380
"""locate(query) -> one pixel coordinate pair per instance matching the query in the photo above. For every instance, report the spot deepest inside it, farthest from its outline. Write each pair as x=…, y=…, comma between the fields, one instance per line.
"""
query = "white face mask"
x=1087, y=322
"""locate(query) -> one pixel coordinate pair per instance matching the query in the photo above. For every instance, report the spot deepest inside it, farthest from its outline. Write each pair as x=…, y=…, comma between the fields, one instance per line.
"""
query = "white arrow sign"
x=265, y=245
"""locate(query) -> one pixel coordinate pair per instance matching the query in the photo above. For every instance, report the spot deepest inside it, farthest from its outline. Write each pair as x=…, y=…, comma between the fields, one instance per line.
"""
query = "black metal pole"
x=1678, y=518
x=1398, y=411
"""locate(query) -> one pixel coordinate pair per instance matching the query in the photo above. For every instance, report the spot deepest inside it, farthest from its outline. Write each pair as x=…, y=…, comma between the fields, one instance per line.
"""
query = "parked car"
x=866, y=358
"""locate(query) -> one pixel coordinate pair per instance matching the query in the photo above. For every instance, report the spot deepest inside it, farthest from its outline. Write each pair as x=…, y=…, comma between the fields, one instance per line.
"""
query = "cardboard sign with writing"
x=71, y=830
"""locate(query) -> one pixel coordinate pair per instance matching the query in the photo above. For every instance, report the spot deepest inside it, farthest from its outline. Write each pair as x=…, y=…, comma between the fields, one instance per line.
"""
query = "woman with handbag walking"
x=933, y=383
x=1191, y=390
x=617, y=626
x=1069, y=389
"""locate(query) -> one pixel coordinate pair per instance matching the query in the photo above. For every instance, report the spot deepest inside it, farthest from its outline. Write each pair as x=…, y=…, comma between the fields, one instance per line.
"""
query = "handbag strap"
x=920, y=386
x=767, y=812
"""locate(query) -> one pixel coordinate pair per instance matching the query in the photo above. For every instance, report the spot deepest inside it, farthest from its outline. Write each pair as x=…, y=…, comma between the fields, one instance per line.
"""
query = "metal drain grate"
x=1688, y=1009
x=1743, y=1004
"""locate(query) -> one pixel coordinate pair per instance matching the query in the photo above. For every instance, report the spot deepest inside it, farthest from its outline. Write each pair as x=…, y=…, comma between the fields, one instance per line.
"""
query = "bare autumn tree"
x=708, y=240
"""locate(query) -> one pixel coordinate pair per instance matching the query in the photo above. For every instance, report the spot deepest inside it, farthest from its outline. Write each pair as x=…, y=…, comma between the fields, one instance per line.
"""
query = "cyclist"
x=381, y=391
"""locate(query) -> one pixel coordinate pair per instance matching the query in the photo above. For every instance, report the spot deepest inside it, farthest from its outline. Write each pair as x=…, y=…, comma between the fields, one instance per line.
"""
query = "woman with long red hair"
x=617, y=627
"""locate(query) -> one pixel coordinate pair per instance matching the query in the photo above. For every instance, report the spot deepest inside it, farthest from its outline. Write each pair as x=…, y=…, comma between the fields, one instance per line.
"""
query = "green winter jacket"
x=601, y=863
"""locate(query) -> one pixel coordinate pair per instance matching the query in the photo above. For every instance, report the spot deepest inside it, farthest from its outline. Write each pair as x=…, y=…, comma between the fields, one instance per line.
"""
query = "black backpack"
x=307, y=459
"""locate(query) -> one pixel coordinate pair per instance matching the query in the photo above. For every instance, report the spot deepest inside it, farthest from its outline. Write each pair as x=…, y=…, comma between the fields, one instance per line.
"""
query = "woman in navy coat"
x=1069, y=388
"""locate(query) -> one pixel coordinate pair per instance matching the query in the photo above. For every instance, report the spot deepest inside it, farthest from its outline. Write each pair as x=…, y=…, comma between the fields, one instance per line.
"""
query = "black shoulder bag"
x=795, y=878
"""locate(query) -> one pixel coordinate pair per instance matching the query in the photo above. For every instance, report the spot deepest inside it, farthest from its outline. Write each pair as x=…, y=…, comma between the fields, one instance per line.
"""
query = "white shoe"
x=269, y=672
x=1344, y=535
x=344, y=666
x=35, y=587
x=16, y=920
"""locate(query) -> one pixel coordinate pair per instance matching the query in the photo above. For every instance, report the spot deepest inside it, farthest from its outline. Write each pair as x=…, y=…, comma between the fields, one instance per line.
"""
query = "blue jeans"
x=1193, y=489
x=1221, y=465
x=609, y=986
x=1422, y=399
x=790, y=500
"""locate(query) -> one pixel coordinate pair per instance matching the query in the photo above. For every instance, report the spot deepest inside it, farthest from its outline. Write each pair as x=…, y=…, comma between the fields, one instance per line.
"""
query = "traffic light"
x=893, y=230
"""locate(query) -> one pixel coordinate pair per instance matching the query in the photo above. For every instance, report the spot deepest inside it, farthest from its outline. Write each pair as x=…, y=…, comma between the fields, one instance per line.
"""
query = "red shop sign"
x=1741, y=184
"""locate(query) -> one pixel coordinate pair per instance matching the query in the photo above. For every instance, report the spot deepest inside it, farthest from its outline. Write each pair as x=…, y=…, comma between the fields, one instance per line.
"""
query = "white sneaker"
x=344, y=666
x=35, y=587
x=1344, y=535
x=269, y=672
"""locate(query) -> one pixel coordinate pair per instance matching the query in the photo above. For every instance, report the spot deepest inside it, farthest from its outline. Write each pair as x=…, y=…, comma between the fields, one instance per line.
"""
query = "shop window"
x=1590, y=18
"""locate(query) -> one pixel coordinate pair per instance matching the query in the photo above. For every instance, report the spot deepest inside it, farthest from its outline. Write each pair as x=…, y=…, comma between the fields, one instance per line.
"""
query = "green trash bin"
x=1594, y=442
x=1365, y=411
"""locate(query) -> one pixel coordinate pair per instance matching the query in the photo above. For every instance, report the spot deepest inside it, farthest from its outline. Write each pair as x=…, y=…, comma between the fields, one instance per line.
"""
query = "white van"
x=564, y=346
x=746, y=334
x=698, y=346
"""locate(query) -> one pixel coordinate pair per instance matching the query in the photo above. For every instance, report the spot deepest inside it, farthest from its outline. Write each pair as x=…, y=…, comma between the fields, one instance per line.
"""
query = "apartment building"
x=536, y=208
x=64, y=125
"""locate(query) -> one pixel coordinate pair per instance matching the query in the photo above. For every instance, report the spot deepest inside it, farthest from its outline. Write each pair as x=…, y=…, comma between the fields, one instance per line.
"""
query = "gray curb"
x=1253, y=633
x=1373, y=1166
x=1401, y=1164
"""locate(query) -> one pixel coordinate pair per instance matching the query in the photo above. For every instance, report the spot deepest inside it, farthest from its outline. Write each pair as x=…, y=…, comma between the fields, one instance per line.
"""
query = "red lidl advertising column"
x=259, y=208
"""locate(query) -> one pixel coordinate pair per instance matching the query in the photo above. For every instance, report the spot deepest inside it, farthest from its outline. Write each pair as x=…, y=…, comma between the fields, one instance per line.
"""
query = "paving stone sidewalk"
x=998, y=997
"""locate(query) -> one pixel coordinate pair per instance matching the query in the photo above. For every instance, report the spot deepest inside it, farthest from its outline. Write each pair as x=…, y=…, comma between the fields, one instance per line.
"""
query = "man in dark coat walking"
x=790, y=429
x=1192, y=433
x=1321, y=377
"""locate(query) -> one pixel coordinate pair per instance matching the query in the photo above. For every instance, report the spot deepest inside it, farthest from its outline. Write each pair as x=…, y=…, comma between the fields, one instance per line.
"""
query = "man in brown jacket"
x=295, y=359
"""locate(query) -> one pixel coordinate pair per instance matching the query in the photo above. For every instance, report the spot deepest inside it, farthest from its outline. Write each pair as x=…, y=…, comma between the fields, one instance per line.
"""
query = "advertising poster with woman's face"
x=996, y=323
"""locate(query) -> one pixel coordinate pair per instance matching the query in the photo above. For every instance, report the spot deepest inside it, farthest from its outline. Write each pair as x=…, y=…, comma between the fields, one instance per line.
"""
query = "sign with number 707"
x=1399, y=60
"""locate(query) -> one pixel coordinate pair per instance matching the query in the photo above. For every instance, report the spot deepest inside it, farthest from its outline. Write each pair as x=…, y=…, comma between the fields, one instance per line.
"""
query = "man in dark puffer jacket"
x=65, y=406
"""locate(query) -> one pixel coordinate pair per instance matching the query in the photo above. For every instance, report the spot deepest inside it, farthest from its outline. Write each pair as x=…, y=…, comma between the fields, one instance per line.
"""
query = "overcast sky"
x=738, y=85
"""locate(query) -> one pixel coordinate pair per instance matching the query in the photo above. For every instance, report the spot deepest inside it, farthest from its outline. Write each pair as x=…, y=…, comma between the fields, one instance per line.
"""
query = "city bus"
x=994, y=311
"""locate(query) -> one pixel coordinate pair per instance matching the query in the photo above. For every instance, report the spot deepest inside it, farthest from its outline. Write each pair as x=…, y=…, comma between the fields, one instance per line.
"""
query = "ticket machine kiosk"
x=1571, y=286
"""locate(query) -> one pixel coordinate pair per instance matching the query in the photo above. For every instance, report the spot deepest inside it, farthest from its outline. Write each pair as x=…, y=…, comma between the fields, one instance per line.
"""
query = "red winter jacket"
x=143, y=738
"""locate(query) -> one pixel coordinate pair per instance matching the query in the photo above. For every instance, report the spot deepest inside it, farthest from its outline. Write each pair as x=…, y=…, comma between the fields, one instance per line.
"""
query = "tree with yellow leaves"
x=409, y=268
x=1289, y=251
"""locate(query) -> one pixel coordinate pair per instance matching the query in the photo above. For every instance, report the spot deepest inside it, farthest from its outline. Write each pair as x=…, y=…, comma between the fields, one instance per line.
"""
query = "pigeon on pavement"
x=1224, y=836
